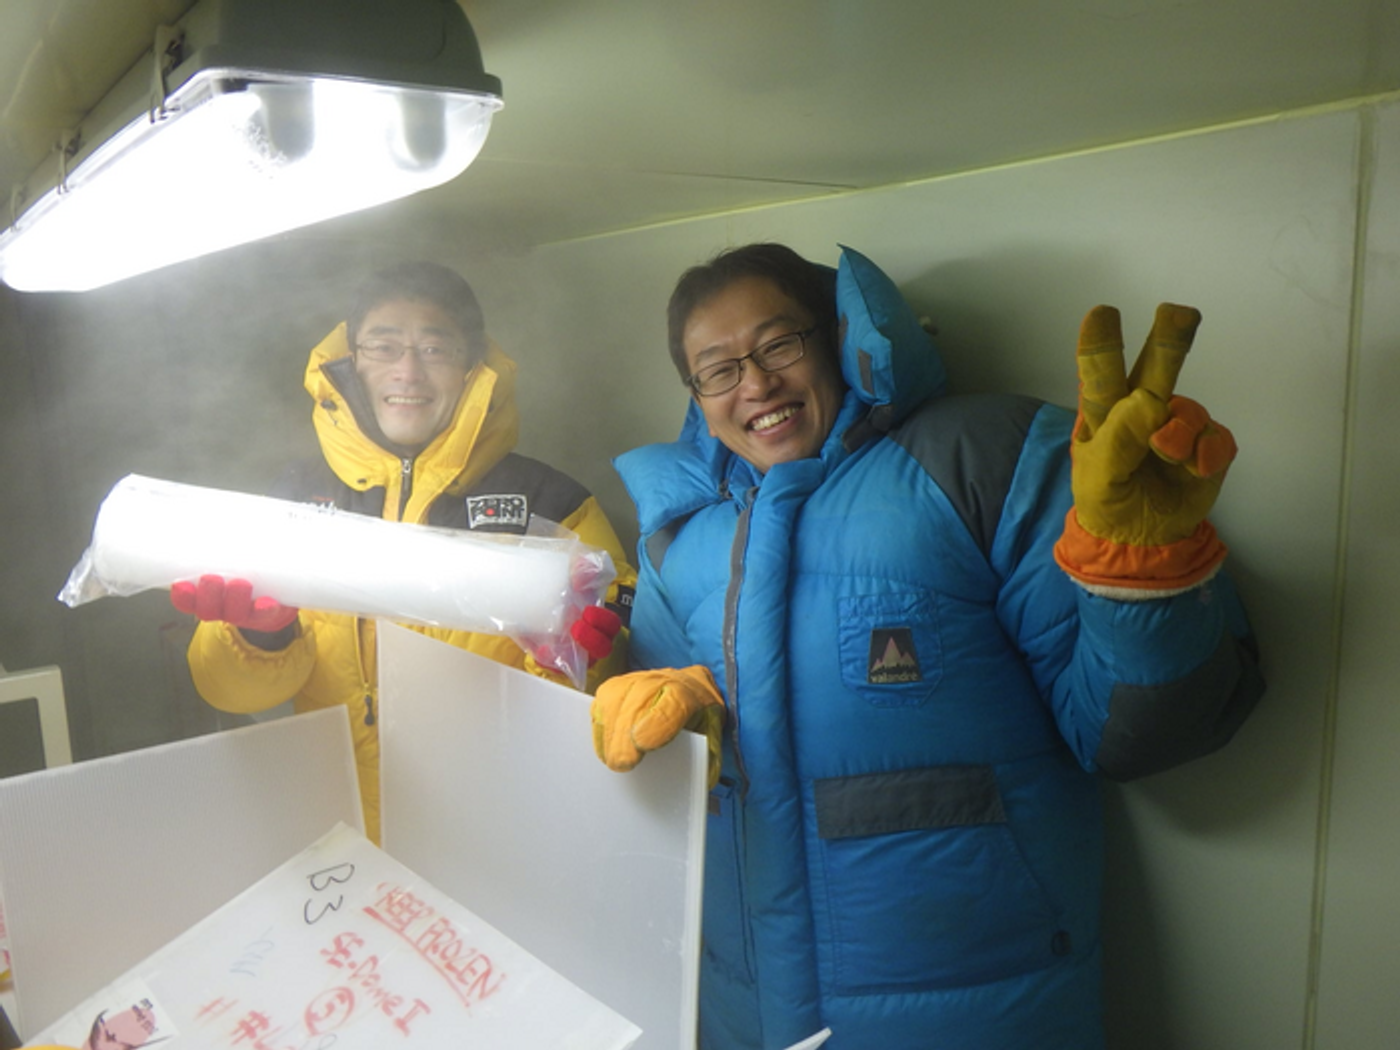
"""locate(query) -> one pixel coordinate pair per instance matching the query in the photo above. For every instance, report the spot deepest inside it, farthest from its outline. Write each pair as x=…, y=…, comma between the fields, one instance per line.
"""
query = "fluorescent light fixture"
x=358, y=103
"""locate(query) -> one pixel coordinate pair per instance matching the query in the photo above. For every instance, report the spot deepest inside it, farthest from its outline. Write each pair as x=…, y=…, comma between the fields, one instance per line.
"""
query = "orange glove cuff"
x=1159, y=570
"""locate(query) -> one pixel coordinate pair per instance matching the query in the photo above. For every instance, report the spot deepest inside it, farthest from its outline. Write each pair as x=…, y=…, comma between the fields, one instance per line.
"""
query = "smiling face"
x=770, y=417
x=414, y=397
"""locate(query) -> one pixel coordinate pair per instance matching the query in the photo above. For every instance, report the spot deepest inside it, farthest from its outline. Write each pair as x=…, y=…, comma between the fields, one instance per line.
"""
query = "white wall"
x=1214, y=867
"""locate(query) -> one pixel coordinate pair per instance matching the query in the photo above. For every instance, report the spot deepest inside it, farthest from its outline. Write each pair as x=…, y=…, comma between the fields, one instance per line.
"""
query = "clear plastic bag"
x=151, y=533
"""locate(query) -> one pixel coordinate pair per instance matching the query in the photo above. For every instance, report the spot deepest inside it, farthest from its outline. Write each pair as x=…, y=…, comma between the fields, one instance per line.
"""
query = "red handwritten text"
x=468, y=971
x=363, y=979
x=399, y=909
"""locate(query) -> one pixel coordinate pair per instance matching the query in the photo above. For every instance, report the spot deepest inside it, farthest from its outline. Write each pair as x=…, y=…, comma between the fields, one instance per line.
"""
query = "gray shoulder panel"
x=969, y=445
x=552, y=493
x=659, y=542
x=549, y=493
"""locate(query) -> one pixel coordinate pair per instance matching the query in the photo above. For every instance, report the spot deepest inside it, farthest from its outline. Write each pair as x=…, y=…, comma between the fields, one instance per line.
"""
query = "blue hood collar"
x=887, y=358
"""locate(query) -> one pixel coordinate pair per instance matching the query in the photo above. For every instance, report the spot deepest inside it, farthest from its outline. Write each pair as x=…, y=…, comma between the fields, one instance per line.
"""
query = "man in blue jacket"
x=913, y=625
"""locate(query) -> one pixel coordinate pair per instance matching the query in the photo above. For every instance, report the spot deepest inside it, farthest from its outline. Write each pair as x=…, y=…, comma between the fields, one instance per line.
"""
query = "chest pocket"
x=891, y=650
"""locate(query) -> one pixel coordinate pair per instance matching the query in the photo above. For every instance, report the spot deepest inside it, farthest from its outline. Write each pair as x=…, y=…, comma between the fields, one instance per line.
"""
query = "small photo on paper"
x=133, y=1021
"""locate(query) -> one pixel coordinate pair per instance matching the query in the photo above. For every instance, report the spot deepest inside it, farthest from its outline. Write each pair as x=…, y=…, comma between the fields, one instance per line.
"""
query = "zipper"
x=731, y=633
x=405, y=492
x=364, y=678
x=405, y=484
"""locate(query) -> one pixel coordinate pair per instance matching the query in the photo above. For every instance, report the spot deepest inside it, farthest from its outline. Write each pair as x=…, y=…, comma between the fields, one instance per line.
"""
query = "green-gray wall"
x=1250, y=903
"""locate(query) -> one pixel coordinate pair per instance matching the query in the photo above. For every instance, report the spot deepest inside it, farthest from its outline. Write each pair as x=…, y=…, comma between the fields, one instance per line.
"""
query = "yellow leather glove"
x=639, y=712
x=1147, y=465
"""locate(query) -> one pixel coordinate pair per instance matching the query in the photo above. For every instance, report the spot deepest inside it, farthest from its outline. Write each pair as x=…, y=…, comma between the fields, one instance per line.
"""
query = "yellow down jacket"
x=331, y=660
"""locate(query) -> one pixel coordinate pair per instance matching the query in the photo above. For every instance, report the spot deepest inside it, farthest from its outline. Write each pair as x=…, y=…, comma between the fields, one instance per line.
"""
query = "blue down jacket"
x=905, y=842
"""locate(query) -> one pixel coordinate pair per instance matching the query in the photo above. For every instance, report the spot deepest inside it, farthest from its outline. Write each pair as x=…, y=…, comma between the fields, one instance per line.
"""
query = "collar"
x=483, y=429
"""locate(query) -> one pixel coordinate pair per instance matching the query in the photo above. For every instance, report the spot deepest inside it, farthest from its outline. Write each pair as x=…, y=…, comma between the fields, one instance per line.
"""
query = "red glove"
x=232, y=601
x=595, y=631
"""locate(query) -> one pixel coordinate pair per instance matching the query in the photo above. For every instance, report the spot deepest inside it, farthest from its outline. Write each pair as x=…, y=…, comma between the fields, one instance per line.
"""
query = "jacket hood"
x=887, y=358
x=890, y=365
x=484, y=427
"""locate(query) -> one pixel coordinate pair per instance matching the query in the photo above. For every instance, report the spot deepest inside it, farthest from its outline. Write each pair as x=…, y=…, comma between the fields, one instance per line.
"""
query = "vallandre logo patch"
x=893, y=659
x=494, y=512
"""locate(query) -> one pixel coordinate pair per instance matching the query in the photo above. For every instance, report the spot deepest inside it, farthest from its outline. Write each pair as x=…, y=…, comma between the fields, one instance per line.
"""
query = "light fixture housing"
x=249, y=118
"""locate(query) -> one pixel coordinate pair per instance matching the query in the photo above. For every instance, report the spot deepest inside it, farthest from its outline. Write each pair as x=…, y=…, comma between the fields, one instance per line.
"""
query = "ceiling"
x=624, y=113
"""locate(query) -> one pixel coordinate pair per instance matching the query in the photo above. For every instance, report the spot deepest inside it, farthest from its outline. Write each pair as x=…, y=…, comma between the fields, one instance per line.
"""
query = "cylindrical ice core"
x=151, y=533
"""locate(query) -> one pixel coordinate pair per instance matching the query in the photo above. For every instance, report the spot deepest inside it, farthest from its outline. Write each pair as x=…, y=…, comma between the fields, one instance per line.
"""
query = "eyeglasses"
x=430, y=354
x=773, y=356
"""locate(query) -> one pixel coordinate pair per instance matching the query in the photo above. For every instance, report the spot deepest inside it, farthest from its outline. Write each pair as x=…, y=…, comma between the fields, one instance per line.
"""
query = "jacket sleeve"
x=234, y=676
x=658, y=639
x=1135, y=686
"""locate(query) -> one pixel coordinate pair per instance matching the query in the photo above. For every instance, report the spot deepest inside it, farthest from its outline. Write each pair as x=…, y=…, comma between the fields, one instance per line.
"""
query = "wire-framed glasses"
x=773, y=356
x=387, y=351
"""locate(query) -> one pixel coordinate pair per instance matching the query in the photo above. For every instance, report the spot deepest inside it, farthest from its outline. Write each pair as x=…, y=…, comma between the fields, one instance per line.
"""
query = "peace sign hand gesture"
x=1146, y=465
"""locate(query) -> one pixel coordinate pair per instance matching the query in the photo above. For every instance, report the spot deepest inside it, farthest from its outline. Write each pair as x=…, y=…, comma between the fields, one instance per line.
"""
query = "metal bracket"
x=168, y=52
x=67, y=148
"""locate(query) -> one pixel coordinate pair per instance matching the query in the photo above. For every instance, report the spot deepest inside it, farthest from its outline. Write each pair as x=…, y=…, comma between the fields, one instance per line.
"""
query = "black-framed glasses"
x=773, y=356
x=386, y=351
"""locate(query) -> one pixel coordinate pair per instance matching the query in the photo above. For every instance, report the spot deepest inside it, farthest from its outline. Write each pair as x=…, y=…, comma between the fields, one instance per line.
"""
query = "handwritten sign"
x=342, y=947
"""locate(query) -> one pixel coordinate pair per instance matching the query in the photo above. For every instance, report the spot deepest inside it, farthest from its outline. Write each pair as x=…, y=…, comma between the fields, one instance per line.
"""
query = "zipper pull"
x=405, y=484
x=369, y=710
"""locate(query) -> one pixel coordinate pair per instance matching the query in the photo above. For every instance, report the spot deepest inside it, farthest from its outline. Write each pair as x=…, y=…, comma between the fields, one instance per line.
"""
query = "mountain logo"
x=893, y=659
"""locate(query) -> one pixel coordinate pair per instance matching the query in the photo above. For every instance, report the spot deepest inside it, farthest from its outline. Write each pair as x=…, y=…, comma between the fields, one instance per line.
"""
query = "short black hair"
x=426, y=282
x=810, y=285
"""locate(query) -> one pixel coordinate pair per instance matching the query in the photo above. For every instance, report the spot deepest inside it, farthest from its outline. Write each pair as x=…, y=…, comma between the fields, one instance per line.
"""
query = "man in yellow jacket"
x=414, y=408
